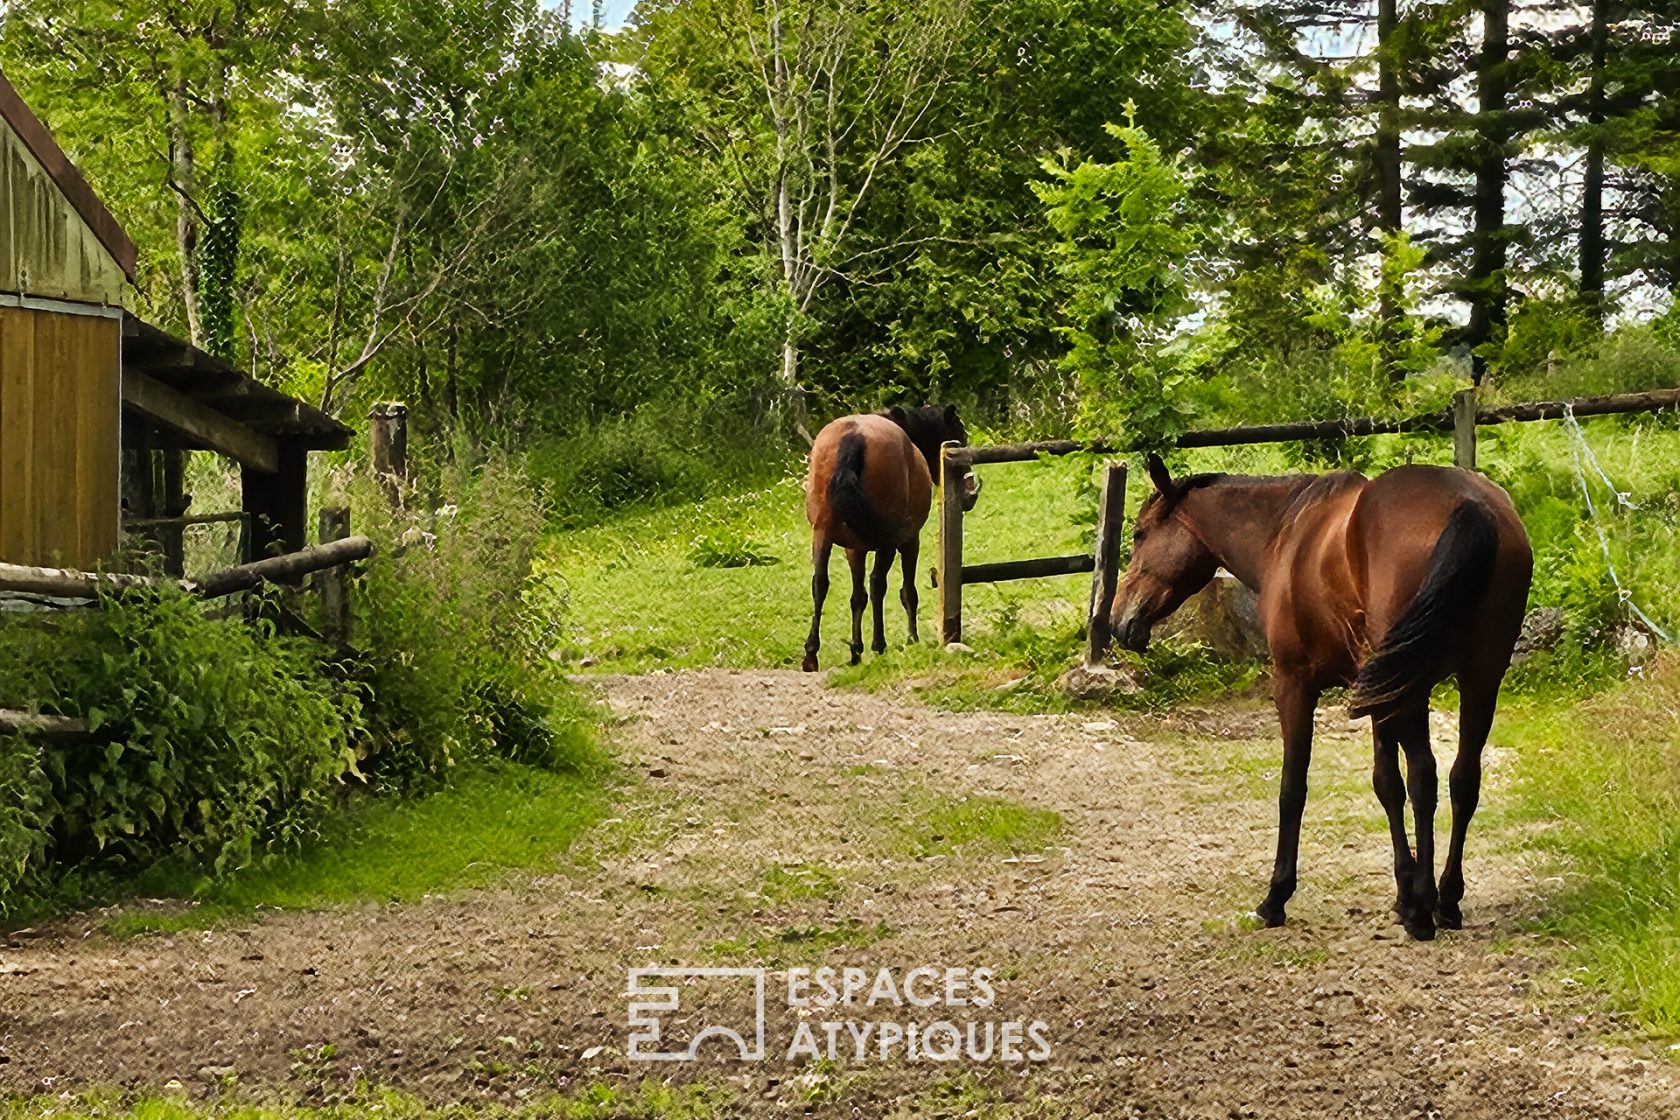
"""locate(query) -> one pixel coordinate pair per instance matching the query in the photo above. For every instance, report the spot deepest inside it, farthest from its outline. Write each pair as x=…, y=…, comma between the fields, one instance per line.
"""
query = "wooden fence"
x=1461, y=419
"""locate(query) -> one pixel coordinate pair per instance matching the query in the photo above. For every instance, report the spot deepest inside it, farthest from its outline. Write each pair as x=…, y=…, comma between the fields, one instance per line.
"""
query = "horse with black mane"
x=869, y=490
x=1388, y=585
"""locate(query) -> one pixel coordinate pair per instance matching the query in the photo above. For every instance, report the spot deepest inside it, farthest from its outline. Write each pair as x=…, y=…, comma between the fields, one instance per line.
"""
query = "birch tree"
x=814, y=103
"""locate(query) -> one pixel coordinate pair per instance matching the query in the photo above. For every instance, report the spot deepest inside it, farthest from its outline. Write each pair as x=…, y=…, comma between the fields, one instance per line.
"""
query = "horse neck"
x=1238, y=518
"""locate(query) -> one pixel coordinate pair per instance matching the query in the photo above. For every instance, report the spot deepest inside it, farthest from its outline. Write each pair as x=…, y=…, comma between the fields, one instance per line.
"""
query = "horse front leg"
x=1296, y=700
x=821, y=548
x=857, y=557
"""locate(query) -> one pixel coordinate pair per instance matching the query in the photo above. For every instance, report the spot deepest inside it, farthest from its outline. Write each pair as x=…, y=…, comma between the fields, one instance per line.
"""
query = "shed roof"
x=64, y=175
x=176, y=384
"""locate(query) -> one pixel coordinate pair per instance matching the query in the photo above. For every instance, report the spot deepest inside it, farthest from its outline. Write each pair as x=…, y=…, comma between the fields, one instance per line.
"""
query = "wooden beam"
x=1038, y=568
x=162, y=405
x=42, y=726
x=1617, y=403
x=281, y=569
x=64, y=583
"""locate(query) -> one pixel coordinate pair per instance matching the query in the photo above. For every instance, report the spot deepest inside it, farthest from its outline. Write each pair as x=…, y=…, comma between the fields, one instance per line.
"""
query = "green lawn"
x=641, y=594
x=480, y=828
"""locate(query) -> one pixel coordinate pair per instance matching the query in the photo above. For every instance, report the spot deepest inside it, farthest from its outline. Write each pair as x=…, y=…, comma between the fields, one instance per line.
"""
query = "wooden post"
x=388, y=442
x=276, y=504
x=172, y=538
x=950, y=546
x=333, y=582
x=1105, y=577
x=1464, y=429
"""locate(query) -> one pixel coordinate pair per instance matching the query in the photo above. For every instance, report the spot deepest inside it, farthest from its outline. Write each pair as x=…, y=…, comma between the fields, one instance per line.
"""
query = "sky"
x=614, y=12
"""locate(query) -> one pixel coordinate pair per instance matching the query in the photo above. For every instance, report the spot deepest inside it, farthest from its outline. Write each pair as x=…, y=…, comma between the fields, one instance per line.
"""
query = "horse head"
x=1170, y=562
x=931, y=427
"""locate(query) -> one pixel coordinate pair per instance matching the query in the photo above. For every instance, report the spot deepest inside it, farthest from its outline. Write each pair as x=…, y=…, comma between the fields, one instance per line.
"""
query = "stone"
x=1542, y=628
x=1098, y=682
x=1224, y=616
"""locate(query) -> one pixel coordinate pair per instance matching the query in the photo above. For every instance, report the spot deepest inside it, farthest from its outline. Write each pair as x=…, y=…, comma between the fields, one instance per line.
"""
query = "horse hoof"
x=1449, y=919
x=1272, y=915
x=810, y=665
x=1419, y=924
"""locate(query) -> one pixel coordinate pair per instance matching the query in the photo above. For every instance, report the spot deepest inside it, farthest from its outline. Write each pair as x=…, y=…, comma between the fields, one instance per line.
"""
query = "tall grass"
x=1604, y=775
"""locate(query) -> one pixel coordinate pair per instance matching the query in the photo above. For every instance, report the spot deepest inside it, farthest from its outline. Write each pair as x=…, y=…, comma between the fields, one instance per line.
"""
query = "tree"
x=810, y=102
x=1124, y=243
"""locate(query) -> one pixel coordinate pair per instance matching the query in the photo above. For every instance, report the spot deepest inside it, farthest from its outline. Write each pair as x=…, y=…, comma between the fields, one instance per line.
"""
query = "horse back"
x=1310, y=596
x=893, y=485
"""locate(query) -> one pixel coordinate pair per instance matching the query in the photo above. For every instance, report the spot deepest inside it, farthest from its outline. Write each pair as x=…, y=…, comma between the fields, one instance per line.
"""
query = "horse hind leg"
x=878, y=595
x=1475, y=719
x=907, y=593
x=857, y=557
x=1411, y=728
x=1390, y=788
x=821, y=548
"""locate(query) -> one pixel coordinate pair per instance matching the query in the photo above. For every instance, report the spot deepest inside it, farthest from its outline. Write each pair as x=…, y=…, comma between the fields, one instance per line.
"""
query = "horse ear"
x=1159, y=476
x=898, y=416
x=950, y=414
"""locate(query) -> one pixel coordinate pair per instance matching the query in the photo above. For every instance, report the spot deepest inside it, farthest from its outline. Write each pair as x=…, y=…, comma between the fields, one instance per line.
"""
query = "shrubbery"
x=219, y=741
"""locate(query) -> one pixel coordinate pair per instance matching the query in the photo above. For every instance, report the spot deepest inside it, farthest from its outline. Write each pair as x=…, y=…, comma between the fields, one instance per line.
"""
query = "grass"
x=595, y=1100
x=973, y=825
x=1604, y=778
x=727, y=581
x=792, y=944
x=485, y=825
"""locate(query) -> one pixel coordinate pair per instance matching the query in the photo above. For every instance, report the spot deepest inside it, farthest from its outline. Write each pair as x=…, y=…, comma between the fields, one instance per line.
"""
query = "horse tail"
x=1406, y=665
x=846, y=495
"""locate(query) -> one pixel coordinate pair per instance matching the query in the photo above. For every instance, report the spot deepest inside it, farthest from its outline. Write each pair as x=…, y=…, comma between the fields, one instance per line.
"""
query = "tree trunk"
x=184, y=172
x=1388, y=167
x=1487, y=263
x=1592, y=188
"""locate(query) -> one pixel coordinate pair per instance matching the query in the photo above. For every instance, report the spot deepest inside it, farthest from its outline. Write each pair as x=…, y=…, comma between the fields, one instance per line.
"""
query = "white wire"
x=1580, y=450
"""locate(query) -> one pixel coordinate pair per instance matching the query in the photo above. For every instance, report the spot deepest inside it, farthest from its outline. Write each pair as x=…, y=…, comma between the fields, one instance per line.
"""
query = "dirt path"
x=779, y=823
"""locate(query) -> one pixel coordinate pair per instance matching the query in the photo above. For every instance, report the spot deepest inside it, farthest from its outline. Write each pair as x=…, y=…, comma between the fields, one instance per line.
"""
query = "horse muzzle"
x=1131, y=631
x=970, y=490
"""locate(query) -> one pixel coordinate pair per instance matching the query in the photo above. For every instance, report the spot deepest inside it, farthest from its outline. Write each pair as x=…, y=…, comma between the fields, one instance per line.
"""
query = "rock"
x=1098, y=682
x=1541, y=629
x=958, y=647
x=1224, y=616
x=1634, y=643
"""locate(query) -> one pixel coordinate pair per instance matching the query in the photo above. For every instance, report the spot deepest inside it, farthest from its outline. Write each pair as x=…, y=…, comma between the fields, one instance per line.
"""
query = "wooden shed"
x=65, y=266
x=97, y=408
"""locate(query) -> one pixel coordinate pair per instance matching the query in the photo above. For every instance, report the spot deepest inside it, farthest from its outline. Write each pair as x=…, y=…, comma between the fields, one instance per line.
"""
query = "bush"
x=656, y=455
x=455, y=635
x=213, y=739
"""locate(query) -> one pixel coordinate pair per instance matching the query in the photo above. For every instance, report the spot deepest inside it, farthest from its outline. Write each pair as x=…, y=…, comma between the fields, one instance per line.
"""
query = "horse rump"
x=1406, y=665
x=847, y=497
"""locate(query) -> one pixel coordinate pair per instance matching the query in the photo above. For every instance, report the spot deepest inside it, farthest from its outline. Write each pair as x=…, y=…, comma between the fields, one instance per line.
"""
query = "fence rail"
x=1461, y=419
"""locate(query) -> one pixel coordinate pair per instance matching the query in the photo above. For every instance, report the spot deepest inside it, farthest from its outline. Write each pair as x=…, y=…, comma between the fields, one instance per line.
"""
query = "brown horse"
x=1389, y=585
x=869, y=490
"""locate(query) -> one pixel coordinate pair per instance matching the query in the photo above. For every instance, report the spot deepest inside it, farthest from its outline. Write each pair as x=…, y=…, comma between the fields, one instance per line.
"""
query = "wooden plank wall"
x=60, y=412
x=45, y=247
